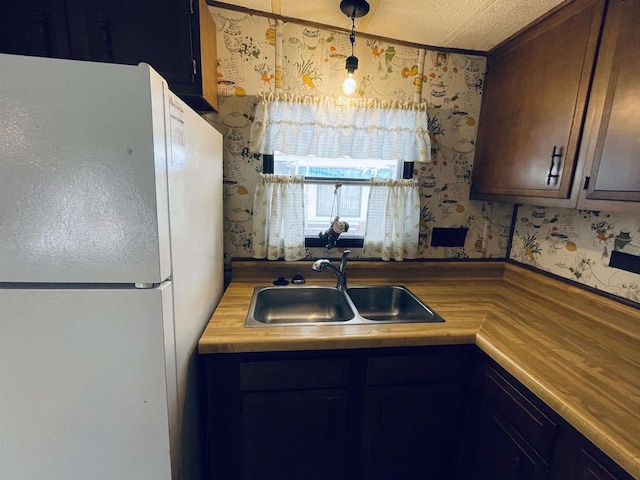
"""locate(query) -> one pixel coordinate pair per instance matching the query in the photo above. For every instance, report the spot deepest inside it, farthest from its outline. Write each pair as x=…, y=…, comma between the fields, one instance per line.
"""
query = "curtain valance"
x=336, y=127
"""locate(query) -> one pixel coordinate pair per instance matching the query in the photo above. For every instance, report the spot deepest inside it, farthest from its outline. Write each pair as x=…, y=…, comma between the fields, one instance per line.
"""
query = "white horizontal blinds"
x=392, y=220
x=278, y=217
x=336, y=127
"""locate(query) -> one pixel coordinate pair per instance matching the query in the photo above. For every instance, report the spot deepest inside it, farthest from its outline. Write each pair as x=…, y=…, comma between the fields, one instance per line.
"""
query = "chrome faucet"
x=340, y=272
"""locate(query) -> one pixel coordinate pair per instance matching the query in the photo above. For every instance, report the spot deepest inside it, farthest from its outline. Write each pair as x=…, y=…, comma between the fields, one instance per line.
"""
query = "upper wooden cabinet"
x=177, y=38
x=611, y=145
x=533, y=107
x=544, y=129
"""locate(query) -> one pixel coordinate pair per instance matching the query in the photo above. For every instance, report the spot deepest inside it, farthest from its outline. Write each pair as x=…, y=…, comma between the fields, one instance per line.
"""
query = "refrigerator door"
x=87, y=386
x=197, y=254
x=83, y=187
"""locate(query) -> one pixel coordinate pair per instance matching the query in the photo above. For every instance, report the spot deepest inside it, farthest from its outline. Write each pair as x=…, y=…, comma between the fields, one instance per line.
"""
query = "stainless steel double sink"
x=322, y=305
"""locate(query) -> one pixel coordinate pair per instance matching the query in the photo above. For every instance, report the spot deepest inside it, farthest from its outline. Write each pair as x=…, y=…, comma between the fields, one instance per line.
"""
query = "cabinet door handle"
x=516, y=469
x=332, y=420
x=383, y=413
x=43, y=30
x=554, y=155
x=107, y=51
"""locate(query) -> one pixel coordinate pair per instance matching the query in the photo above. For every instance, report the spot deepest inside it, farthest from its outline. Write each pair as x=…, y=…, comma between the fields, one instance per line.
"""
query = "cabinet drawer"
x=417, y=368
x=533, y=425
x=294, y=374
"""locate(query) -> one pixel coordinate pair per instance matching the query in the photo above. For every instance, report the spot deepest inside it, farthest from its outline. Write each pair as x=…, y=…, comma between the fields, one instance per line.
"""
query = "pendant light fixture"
x=352, y=9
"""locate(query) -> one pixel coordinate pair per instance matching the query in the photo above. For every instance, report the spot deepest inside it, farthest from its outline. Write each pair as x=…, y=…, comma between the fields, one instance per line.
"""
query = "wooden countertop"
x=578, y=352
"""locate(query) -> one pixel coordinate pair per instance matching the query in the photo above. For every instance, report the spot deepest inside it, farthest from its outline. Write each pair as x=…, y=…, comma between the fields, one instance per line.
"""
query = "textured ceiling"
x=465, y=24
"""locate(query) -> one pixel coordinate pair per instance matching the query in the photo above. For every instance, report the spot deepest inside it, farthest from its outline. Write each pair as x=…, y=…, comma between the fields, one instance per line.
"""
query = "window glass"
x=349, y=201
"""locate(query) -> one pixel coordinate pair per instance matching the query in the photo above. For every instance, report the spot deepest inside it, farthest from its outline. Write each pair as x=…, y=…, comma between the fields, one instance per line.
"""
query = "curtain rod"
x=333, y=181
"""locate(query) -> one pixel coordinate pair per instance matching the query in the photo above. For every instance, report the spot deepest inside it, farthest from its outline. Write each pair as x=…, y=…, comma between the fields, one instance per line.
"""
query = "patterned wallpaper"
x=259, y=54
x=577, y=244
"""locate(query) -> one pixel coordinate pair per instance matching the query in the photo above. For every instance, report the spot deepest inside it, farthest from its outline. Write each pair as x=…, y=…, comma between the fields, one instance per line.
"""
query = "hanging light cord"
x=352, y=37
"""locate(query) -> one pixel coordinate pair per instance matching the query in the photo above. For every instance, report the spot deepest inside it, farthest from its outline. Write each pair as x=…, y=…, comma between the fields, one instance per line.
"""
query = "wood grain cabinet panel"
x=510, y=434
x=575, y=458
x=289, y=435
x=507, y=437
x=558, y=125
x=176, y=37
x=387, y=414
x=533, y=106
x=612, y=143
x=412, y=431
x=35, y=27
x=437, y=412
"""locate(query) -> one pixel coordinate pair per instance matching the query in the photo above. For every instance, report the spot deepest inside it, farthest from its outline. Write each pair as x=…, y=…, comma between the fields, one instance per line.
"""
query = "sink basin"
x=298, y=305
x=390, y=303
x=316, y=305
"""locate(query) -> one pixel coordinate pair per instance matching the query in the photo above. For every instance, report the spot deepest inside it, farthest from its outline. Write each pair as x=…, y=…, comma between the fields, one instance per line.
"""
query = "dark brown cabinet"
x=507, y=437
x=575, y=458
x=533, y=107
x=611, y=142
x=548, y=137
x=510, y=434
x=294, y=418
x=354, y=414
x=35, y=27
x=392, y=413
x=294, y=434
x=493, y=450
x=177, y=38
x=412, y=418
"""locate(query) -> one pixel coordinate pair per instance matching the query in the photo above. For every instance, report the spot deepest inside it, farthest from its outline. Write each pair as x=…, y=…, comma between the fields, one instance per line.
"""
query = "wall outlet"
x=448, y=237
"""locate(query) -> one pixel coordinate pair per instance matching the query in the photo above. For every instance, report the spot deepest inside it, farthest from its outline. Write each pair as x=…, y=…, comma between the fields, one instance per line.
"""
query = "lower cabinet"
x=510, y=434
x=506, y=436
x=410, y=432
x=412, y=415
x=576, y=458
x=382, y=414
x=350, y=414
x=294, y=434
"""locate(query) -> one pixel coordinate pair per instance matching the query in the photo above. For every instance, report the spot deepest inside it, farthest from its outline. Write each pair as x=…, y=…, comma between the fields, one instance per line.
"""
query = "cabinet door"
x=34, y=27
x=533, y=107
x=411, y=431
x=130, y=32
x=614, y=143
x=493, y=450
x=576, y=458
x=293, y=435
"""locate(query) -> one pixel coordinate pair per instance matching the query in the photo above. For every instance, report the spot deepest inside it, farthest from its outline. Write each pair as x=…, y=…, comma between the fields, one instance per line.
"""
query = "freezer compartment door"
x=87, y=384
x=83, y=187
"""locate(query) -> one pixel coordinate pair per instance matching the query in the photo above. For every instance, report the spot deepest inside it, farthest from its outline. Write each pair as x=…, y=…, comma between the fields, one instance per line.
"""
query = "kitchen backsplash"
x=577, y=245
x=259, y=54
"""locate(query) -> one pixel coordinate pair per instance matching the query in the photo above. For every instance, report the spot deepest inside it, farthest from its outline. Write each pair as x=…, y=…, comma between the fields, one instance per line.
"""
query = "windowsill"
x=349, y=242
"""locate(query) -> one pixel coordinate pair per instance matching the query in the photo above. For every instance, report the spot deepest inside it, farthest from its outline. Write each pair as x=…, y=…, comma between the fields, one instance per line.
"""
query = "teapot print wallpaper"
x=261, y=54
x=578, y=245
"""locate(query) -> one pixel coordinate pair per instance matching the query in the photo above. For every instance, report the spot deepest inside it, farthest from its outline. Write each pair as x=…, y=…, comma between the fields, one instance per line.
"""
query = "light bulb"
x=349, y=85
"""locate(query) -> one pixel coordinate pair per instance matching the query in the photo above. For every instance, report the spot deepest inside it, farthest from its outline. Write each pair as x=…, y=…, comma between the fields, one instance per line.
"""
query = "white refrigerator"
x=111, y=264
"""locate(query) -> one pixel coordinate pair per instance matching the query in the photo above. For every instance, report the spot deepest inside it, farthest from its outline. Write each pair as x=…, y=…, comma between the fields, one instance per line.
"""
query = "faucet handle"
x=343, y=263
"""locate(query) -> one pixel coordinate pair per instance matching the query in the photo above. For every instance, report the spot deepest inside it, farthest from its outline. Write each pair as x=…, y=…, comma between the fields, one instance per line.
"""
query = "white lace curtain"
x=392, y=220
x=336, y=127
x=278, y=217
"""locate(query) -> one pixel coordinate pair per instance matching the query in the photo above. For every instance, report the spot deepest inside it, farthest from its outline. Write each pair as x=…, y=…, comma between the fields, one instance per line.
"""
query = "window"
x=350, y=200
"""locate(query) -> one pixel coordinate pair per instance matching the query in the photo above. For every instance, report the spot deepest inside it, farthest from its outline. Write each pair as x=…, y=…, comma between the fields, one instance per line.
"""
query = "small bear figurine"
x=333, y=232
